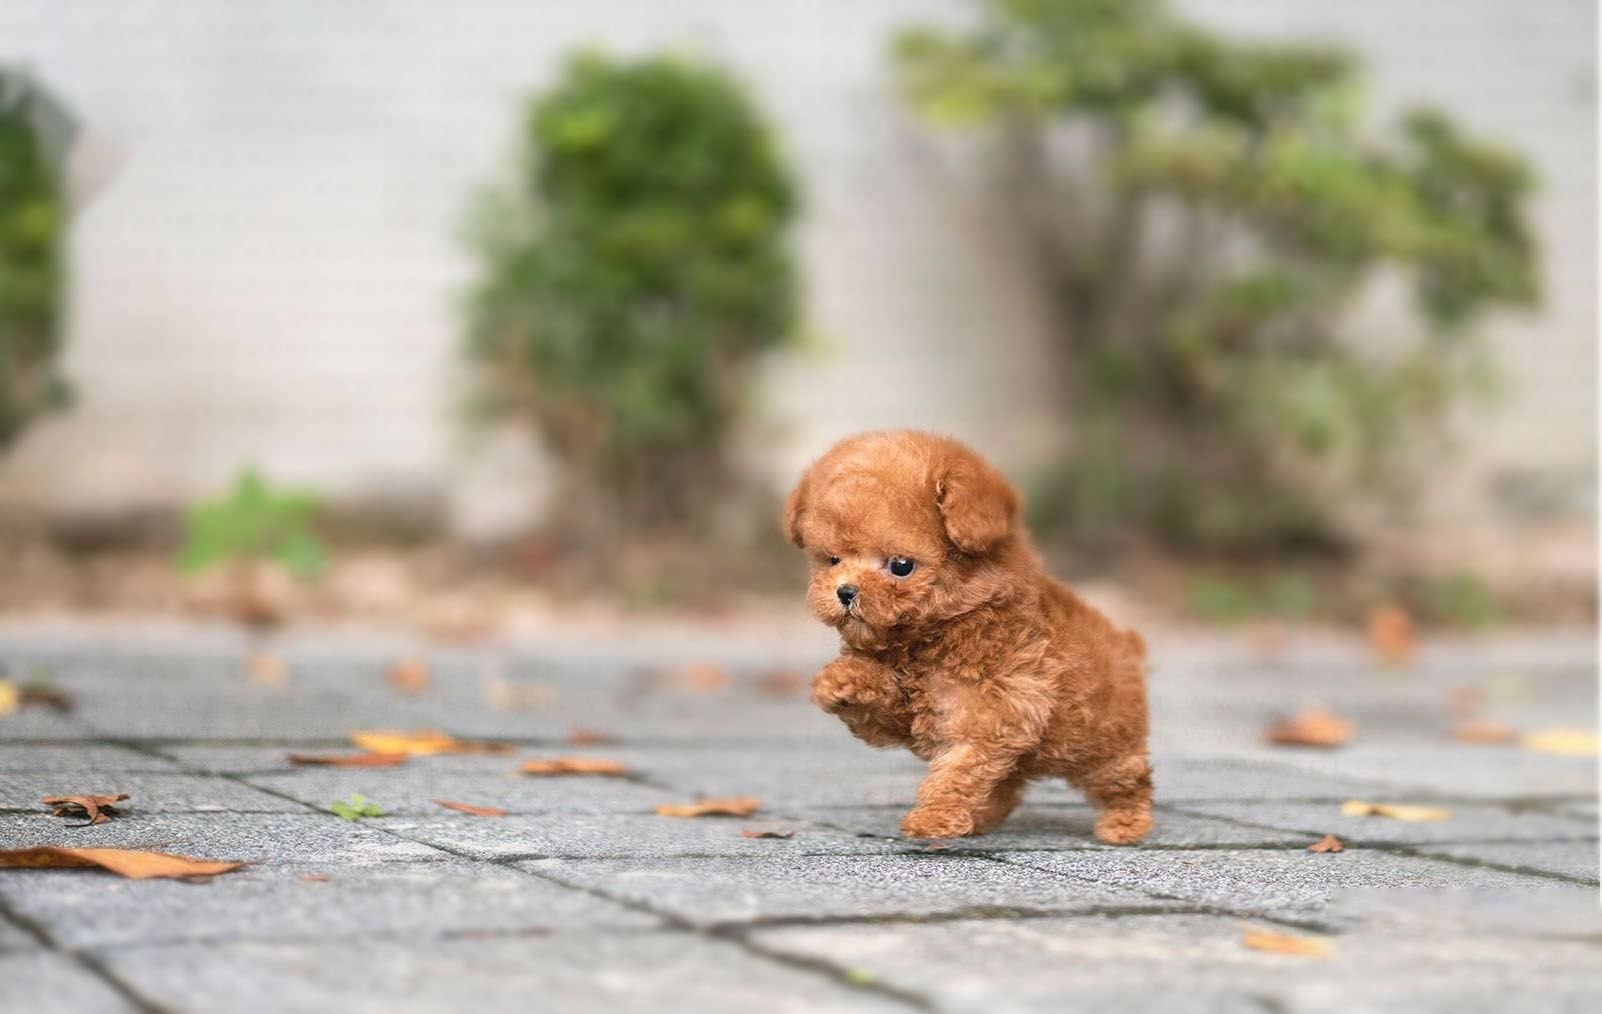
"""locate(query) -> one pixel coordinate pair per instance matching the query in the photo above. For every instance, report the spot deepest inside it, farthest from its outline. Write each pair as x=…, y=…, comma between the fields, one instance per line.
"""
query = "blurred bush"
x=254, y=533
x=1211, y=216
x=632, y=278
x=32, y=265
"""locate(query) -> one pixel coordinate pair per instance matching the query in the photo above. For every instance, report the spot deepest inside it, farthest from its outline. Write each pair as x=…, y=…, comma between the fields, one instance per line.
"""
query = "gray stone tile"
x=45, y=982
x=1182, y=779
x=1467, y=822
x=14, y=937
x=95, y=758
x=1289, y=883
x=1448, y=768
x=622, y=973
x=41, y=724
x=264, y=838
x=1062, y=826
x=412, y=788
x=147, y=792
x=276, y=903
x=786, y=775
x=591, y=836
x=718, y=890
x=1576, y=859
x=1193, y=963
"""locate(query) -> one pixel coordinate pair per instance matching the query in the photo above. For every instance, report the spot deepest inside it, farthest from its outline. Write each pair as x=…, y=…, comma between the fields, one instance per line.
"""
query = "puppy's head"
x=904, y=530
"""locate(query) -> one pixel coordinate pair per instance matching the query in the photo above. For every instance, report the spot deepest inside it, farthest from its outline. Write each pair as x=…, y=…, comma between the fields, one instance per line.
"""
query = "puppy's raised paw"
x=928, y=822
x=849, y=682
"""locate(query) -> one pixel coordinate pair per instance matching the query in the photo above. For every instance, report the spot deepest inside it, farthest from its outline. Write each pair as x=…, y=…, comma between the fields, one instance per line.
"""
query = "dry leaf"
x=698, y=677
x=1568, y=742
x=315, y=878
x=578, y=735
x=9, y=698
x=477, y=811
x=421, y=743
x=735, y=806
x=409, y=676
x=1395, y=811
x=1328, y=843
x=1390, y=635
x=1313, y=727
x=1280, y=943
x=752, y=832
x=267, y=669
x=782, y=683
x=130, y=863
x=1485, y=732
x=347, y=760
x=44, y=696
x=1463, y=701
x=98, y=809
x=574, y=766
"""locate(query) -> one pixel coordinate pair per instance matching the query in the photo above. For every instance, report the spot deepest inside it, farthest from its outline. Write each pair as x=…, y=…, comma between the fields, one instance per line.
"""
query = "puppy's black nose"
x=847, y=594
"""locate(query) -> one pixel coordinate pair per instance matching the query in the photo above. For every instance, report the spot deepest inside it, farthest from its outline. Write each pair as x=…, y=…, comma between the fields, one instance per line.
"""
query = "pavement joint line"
x=822, y=966
x=673, y=922
x=974, y=913
x=1421, y=851
x=91, y=964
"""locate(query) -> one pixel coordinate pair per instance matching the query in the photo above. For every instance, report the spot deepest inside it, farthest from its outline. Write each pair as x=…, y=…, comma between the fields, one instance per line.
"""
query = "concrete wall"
x=271, y=275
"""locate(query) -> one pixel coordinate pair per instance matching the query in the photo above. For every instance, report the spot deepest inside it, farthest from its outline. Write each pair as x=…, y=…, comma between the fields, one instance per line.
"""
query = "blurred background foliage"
x=633, y=276
x=32, y=265
x=1211, y=215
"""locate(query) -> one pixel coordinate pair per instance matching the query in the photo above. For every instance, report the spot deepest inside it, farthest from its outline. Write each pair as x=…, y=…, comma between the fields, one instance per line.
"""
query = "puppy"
x=956, y=643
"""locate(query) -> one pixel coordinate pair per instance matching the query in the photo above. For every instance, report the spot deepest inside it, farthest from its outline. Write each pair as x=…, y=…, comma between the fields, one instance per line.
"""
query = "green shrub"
x=632, y=278
x=1210, y=214
x=32, y=266
x=254, y=524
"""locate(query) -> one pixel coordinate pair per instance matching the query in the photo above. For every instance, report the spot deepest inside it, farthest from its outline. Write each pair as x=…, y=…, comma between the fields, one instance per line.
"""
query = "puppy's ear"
x=793, y=508
x=977, y=505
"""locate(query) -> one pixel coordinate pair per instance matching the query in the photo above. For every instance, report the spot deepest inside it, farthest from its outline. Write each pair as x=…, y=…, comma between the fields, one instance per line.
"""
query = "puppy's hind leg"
x=1121, y=790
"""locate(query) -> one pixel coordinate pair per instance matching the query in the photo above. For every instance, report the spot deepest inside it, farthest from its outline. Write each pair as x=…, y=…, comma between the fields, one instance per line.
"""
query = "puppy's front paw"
x=929, y=822
x=846, y=683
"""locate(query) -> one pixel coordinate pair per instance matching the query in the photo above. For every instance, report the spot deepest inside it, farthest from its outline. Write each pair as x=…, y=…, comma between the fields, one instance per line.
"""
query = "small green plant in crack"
x=357, y=807
x=253, y=527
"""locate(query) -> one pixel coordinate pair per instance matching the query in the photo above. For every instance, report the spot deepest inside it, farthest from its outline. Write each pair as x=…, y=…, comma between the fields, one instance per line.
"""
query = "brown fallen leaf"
x=1568, y=742
x=1313, y=727
x=504, y=695
x=315, y=878
x=40, y=695
x=98, y=809
x=782, y=683
x=752, y=832
x=409, y=676
x=1391, y=636
x=578, y=735
x=422, y=743
x=574, y=766
x=130, y=863
x=1395, y=811
x=9, y=698
x=1485, y=732
x=347, y=760
x=734, y=806
x=1464, y=700
x=697, y=678
x=477, y=811
x=1328, y=843
x=267, y=670
x=1280, y=943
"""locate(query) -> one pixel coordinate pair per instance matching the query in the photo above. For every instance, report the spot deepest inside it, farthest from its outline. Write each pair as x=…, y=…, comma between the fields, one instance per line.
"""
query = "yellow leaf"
x=1395, y=811
x=1568, y=742
x=574, y=766
x=1313, y=727
x=420, y=743
x=1280, y=943
x=8, y=697
x=735, y=806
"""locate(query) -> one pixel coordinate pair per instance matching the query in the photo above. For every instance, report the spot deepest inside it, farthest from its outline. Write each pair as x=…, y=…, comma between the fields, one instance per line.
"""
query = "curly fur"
x=978, y=661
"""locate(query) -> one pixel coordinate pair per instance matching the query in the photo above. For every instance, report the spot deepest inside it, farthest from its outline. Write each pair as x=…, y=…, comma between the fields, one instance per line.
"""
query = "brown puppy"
x=956, y=643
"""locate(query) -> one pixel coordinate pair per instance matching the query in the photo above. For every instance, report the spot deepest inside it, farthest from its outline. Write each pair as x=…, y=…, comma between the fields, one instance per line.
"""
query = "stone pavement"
x=583, y=898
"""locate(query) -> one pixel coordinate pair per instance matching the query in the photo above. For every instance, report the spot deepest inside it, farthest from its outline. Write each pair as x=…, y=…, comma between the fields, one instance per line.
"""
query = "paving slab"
x=1296, y=885
x=1436, y=765
x=15, y=938
x=1466, y=821
x=1575, y=859
x=300, y=902
x=627, y=836
x=1195, y=963
x=413, y=787
x=620, y=972
x=45, y=982
x=707, y=891
x=148, y=792
x=259, y=837
x=84, y=758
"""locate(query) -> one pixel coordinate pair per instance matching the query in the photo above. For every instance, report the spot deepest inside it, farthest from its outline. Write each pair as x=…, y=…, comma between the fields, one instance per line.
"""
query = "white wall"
x=272, y=275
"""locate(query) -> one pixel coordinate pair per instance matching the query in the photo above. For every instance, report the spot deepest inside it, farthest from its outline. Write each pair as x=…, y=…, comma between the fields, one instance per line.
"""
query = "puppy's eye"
x=900, y=566
x=833, y=560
